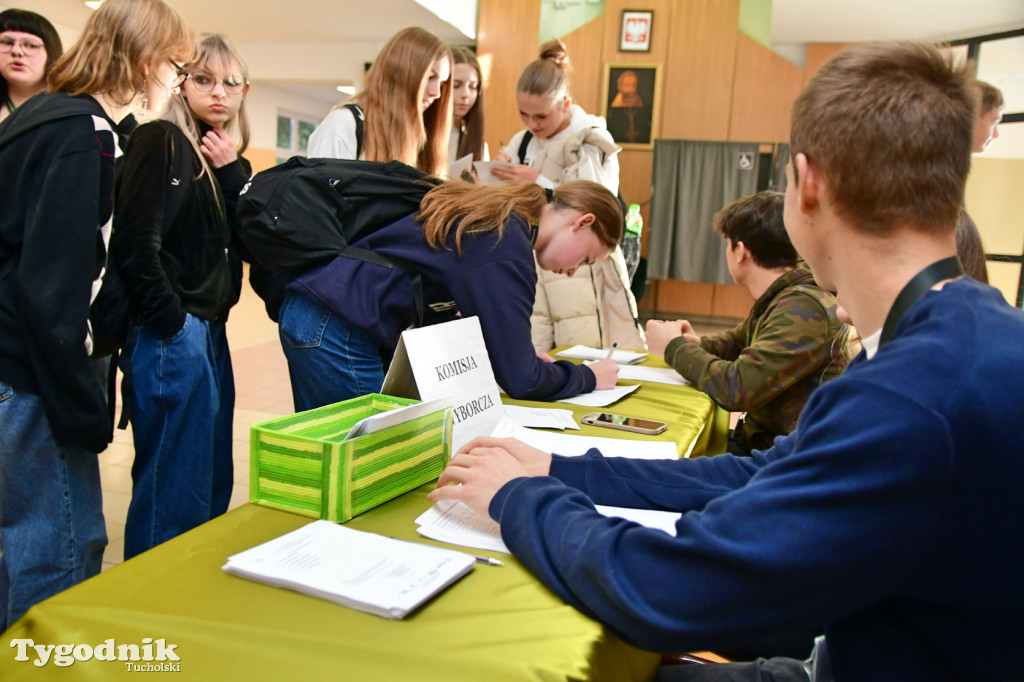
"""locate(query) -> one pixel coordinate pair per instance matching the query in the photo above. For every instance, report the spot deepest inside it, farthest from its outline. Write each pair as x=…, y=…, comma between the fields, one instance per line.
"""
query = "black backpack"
x=305, y=212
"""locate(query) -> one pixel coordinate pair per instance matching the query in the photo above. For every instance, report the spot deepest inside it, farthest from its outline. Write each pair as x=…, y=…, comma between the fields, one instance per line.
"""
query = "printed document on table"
x=541, y=417
x=601, y=397
x=364, y=571
x=659, y=375
x=622, y=357
x=453, y=522
x=571, y=445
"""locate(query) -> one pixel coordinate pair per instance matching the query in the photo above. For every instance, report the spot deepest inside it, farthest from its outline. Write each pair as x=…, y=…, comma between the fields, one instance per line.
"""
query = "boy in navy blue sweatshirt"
x=891, y=516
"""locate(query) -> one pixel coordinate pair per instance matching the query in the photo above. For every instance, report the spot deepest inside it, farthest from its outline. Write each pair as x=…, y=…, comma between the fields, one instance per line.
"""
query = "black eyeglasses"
x=204, y=82
x=181, y=76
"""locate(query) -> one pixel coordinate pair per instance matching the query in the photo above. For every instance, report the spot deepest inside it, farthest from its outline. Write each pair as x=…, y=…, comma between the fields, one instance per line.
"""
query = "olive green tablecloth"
x=497, y=623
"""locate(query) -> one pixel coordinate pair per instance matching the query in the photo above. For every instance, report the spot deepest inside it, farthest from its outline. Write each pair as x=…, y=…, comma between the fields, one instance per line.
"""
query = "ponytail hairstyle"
x=390, y=101
x=483, y=208
x=549, y=74
x=120, y=41
x=23, y=21
x=473, y=121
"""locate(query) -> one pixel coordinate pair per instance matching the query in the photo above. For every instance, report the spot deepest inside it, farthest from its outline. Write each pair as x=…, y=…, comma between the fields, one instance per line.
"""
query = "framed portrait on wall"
x=630, y=97
x=635, y=34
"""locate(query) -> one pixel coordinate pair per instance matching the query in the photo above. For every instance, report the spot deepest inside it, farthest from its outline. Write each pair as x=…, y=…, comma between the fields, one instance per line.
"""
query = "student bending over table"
x=790, y=343
x=473, y=246
x=891, y=516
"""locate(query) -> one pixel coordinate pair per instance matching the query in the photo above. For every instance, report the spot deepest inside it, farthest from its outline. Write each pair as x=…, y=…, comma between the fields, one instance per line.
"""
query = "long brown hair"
x=482, y=208
x=119, y=39
x=390, y=102
x=473, y=121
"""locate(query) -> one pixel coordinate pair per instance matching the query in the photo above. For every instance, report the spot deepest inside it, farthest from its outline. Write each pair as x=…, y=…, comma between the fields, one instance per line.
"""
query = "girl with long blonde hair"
x=58, y=179
x=404, y=110
x=173, y=245
x=473, y=247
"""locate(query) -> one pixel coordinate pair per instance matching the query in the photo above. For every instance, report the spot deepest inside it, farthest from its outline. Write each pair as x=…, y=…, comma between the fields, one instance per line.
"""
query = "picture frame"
x=630, y=100
x=635, y=32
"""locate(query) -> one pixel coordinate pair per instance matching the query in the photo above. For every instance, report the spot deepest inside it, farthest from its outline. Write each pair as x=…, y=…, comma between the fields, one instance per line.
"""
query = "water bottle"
x=631, y=240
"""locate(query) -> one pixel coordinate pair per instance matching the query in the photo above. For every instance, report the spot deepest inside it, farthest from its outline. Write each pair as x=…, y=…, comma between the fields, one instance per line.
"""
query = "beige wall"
x=995, y=203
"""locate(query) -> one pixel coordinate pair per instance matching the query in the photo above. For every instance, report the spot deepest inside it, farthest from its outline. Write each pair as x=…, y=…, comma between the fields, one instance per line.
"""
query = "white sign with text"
x=449, y=359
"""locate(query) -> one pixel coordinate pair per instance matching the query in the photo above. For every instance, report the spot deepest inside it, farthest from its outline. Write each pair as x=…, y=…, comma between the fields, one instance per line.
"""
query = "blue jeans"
x=52, y=534
x=181, y=416
x=329, y=360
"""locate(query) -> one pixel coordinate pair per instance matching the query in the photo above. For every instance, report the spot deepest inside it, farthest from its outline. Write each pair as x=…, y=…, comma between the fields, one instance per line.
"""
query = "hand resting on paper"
x=516, y=173
x=607, y=373
x=483, y=466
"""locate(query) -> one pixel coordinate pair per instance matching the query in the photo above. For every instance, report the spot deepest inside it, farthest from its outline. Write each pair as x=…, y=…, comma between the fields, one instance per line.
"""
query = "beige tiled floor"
x=262, y=392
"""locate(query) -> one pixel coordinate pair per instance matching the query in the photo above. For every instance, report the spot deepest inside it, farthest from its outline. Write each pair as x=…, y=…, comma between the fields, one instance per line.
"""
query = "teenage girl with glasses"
x=175, y=249
x=29, y=46
x=56, y=193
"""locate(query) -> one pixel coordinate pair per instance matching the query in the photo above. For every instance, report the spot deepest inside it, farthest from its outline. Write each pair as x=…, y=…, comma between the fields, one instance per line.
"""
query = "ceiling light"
x=347, y=89
x=94, y=4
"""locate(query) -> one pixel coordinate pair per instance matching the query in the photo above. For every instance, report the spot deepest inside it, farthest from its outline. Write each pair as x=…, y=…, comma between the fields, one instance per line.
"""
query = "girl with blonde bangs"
x=405, y=107
x=57, y=189
x=473, y=249
x=174, y=247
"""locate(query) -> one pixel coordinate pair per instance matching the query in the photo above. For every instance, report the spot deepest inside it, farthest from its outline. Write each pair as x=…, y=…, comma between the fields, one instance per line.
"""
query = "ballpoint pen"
x=611, y=351
x=488, y=560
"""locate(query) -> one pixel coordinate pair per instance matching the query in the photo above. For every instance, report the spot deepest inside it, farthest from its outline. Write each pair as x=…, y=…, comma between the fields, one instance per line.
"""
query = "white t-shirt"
x=335, y=137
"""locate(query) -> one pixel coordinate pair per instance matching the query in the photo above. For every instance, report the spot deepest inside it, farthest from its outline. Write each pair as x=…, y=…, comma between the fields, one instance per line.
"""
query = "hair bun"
x=555, y=51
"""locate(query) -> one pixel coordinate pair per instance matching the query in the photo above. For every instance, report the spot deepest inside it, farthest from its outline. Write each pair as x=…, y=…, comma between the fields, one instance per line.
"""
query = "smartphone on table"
x=616, y=421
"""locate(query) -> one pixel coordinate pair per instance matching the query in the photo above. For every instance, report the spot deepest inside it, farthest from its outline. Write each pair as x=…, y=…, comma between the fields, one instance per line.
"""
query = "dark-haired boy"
x=892, y=515
x=789, y=344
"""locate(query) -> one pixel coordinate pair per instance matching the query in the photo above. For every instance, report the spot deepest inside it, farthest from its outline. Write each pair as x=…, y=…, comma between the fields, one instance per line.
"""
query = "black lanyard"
x=947, y=268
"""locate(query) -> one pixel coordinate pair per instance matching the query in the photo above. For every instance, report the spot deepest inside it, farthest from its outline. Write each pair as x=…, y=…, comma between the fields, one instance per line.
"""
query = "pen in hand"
x=611, y=351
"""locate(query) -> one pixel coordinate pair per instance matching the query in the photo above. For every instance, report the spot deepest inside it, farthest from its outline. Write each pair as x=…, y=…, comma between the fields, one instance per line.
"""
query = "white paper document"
x=364, y=571
x=541, y=417
x=400, y=415
x=622, y=357
x=461, y=169
x=455, y=523
x=601, y=397
x=661, y=375
x=572, y=445
x=483, y=171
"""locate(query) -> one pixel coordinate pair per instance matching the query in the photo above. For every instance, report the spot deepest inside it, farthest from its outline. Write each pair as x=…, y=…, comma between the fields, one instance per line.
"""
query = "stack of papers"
x=622, y=357
x=364, y=571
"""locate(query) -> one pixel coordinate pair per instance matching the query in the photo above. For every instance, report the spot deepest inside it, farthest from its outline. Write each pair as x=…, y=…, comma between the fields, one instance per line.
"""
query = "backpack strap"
x=527, y=136
x=357, y=114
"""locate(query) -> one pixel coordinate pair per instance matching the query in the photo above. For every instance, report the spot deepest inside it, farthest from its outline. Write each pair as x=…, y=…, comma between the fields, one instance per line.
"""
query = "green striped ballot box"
x=303, y=463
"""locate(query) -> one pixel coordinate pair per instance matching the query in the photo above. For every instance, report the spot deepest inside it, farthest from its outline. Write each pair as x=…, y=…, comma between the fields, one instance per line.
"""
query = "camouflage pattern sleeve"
x=791, y=340
x=729, y=344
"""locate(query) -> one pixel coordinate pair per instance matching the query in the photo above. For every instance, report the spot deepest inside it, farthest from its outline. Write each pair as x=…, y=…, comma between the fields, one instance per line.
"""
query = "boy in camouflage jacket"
x=789, y=344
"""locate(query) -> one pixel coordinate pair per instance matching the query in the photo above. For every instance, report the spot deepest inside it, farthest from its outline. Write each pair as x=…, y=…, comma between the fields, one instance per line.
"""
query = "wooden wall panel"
x=506, y=43
x=763, y=93
x=731, y=300
x=584, y=45
x=702, y=53
x=818, y=54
